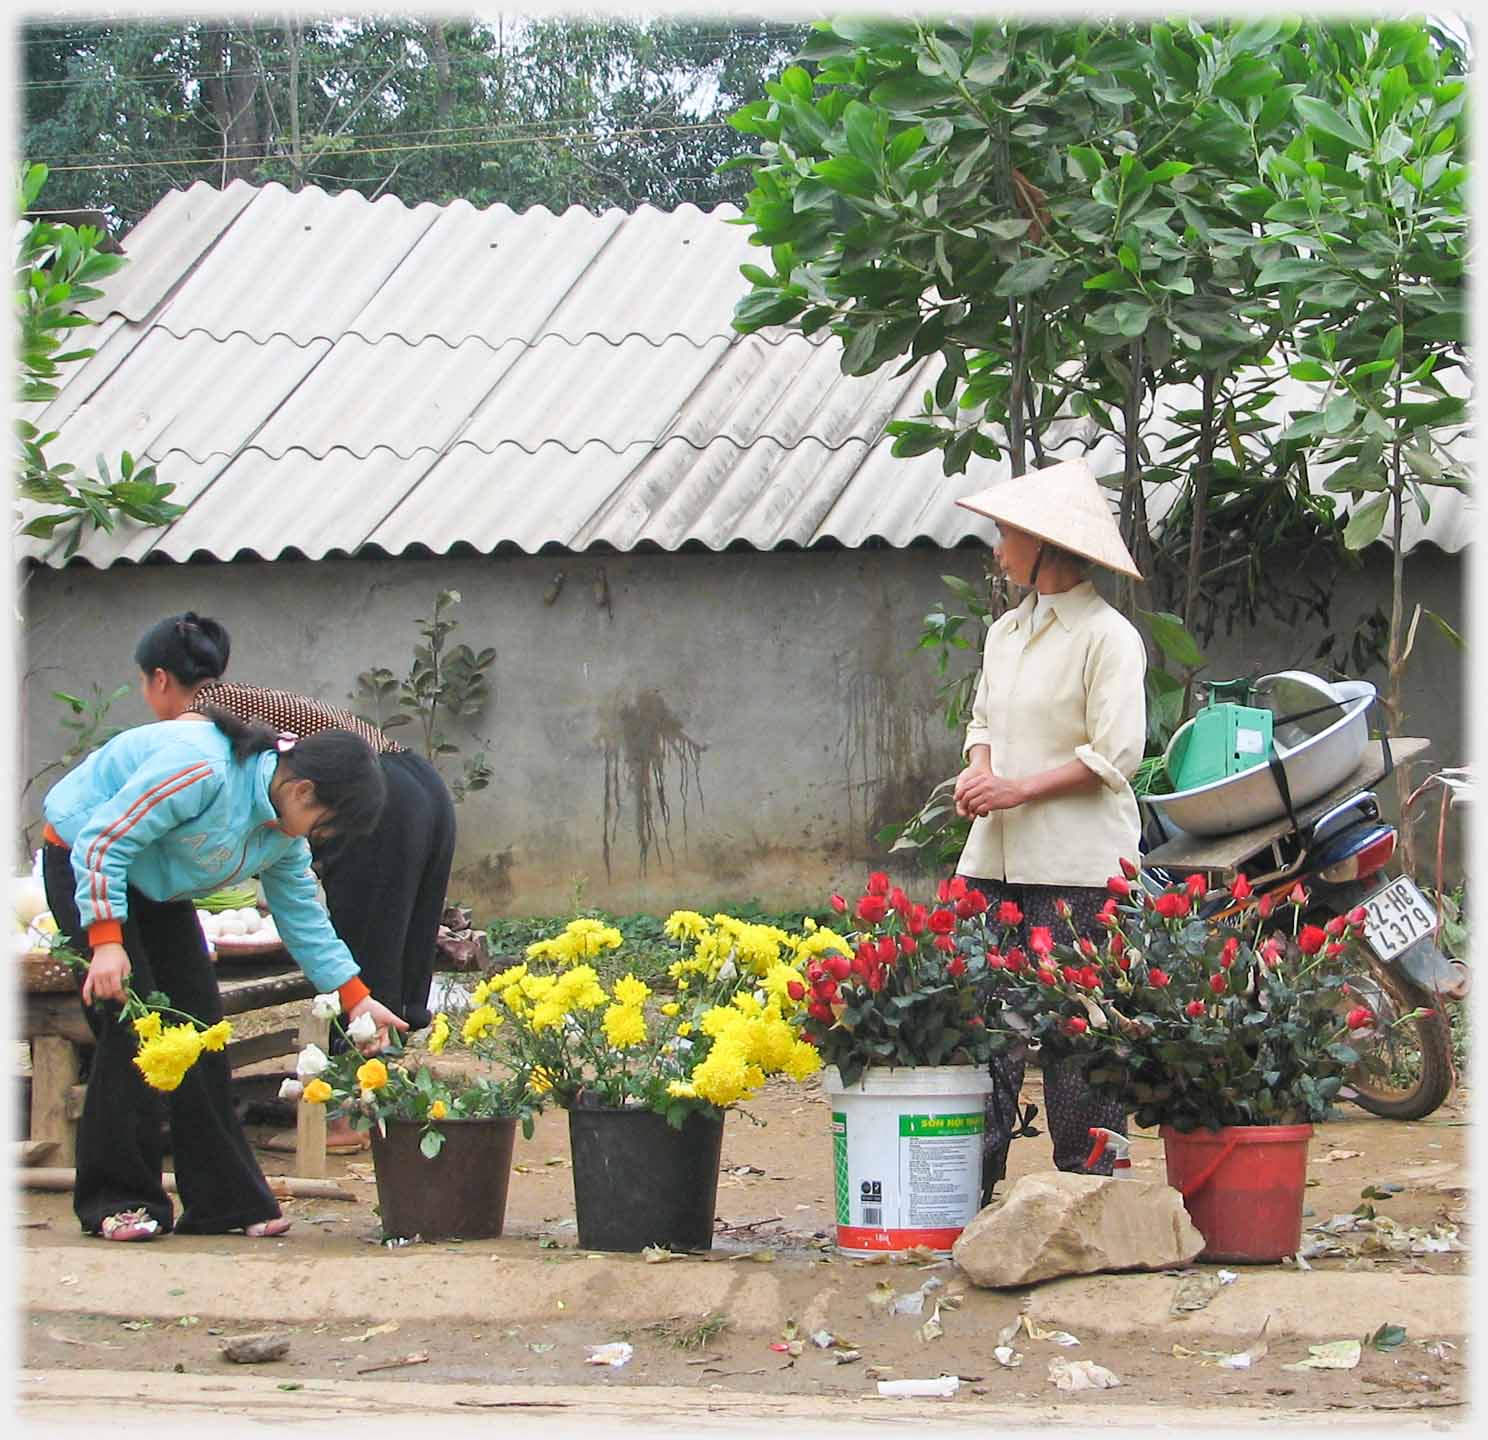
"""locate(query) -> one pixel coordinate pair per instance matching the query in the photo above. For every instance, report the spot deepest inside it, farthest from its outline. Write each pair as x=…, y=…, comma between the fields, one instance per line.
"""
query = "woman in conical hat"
x=1057, y=729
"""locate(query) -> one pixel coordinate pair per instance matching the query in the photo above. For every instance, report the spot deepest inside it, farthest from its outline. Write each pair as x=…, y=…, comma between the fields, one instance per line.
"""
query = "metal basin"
x=1317, y=752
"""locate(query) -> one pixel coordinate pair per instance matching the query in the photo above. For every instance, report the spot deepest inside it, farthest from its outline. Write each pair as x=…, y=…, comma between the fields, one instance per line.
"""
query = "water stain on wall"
x=648, y=756
x=885, y=748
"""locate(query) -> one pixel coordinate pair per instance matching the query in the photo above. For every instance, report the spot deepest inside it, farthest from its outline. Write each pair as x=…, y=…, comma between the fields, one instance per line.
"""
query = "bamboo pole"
x=63, y=1177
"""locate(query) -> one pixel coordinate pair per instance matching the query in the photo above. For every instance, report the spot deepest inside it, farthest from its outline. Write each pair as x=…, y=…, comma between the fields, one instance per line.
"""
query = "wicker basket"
x=43, y=974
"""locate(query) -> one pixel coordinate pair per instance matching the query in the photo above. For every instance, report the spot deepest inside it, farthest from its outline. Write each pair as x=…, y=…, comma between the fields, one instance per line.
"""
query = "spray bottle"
x=1119, y=1147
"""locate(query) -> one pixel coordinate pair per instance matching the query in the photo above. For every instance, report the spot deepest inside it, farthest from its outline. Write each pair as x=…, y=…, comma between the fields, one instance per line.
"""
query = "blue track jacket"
x=167, y=809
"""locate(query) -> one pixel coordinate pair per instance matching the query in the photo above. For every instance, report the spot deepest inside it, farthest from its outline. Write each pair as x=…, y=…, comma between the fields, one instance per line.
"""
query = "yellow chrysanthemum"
x=540, y=1081
x=670, y=1008
x=215, y=1037
x=438, y=1110
x=630, y=991
x=317, y=1092
x=480, y=994
x=439, y=1034
x=721, y=1077
x=147, y=1027
x=480, y=1023
x=165, y=1060
x=624, y=1026
x=507, y=978
x=685, y=925
x=372, y=1075
x=684, y=1029
x=682, y=1089
x=802, y=1061
x=546, y=1015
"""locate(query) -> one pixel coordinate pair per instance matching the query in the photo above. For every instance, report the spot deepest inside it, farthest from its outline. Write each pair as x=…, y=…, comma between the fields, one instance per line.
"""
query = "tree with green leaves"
x=56, y=268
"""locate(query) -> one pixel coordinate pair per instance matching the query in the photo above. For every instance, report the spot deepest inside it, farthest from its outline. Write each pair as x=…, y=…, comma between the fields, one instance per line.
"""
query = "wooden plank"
x=76, y=1095
x=54, y=1071
x=239, y=996
x=261, y=1047
x=56, y=1015
x=310, y=1120
x=64, y=1177
x=33, y=1152
x=1225, y=852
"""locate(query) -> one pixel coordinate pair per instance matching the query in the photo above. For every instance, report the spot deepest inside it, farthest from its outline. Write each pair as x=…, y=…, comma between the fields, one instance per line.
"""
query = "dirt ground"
x=774, y=1206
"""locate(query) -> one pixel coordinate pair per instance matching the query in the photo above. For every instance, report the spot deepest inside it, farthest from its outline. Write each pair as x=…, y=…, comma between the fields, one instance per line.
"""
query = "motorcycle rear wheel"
x=1404, y=1072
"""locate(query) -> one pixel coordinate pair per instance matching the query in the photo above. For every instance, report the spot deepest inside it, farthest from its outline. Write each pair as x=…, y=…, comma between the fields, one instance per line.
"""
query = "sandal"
x=129, y=1225
x=268, y=1229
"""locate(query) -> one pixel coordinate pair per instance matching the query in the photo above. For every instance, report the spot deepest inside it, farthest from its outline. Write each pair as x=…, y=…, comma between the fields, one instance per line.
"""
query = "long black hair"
x=341, y=765
x=190, y=647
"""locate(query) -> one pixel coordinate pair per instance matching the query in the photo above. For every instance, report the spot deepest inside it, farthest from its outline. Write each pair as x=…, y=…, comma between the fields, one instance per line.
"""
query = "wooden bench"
x=57, y=1033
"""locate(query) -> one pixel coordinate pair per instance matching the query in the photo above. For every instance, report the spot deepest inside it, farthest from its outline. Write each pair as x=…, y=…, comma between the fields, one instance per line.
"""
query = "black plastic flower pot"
x=639, y=1182
x=458, y=1194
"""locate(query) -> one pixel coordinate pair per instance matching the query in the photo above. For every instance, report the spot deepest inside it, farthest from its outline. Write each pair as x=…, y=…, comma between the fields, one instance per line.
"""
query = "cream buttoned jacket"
x=1067, y=684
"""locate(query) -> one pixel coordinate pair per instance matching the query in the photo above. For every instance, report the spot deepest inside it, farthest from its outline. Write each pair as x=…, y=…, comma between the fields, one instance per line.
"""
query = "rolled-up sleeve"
x=1115, y=706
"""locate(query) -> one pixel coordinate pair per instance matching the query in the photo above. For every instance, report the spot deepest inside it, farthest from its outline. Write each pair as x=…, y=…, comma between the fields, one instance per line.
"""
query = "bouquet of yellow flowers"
x=735, y=1019
x=372, y=1091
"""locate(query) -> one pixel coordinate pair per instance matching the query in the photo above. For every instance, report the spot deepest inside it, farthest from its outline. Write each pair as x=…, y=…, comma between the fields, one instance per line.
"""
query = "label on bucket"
x=906, y=1179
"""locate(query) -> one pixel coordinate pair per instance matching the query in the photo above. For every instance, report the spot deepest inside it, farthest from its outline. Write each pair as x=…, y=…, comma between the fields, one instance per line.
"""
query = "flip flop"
x=286, y=1145
x=268, y=1229
x=129, y=1225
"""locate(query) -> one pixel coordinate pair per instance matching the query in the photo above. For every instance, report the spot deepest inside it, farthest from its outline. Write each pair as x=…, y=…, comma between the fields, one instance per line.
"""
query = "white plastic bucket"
x=907, y=1155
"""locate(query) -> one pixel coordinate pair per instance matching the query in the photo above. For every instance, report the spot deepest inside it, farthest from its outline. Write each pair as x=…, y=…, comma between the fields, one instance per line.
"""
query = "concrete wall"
x=727, y=727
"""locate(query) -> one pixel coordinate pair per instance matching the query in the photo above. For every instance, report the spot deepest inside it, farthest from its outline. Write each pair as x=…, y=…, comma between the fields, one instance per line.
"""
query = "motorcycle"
x=1341, y=855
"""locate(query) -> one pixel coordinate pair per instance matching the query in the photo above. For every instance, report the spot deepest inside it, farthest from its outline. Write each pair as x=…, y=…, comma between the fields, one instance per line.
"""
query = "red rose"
x=942, y=922
x=1086, y=947
x=1194, y=1009
x=1219, y=982
x=888, y=949
x=1047, y=976
x=795, y=989
x=1172, y=904
x=908, y=944
x=1129, y=869
x=1241, y=888
x=917, y=919
x=971, y=903
x=1071, y=974
x=958, y=886
x=1265, y=906
x=976, y=1022
x=1074, y=1025
x=944, y=942
x=814, y=970
x=1297, y=895
x=1116, y=944
x=1228, y=951
x=1119, y=885
x=875, y=979
x=839, y=965
x=1016, y=959
x=1336, y=926
x=1107, y=914
x=1312, y=939
x=878, y=883
x=995, y=960
x=1360, y=1017
x=1062, y=908
x=865, y=957
x=943, y=891
x=839, y=904
x=1357, y=916
x=811, y=1039
x=872, y=909
x=1090, y=978
x=1157, y=978
x=1008, y=913
x=898, y=900
x=956, y=966
x=1197, y=887
x=1041, y=940
x=1271, y=949
x=819, y=1010
x=1334, y=949
x=828, y=993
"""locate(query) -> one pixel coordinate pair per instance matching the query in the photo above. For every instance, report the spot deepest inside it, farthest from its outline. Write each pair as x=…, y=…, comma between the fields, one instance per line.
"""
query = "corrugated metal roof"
x=318, y=373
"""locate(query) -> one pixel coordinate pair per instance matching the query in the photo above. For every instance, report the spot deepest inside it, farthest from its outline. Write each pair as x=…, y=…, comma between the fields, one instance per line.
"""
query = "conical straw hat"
x=1062, y=504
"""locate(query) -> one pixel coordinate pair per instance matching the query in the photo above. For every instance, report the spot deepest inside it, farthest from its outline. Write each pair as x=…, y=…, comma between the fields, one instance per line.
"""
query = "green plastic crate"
x=1224, y=740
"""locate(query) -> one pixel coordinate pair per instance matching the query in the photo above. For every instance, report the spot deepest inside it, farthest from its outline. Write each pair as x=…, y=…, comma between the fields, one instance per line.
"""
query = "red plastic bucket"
x=1242, y=1187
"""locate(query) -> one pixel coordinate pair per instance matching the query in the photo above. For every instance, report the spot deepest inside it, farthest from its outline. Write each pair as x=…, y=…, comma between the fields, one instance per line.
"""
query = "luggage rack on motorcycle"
x=1224, y=854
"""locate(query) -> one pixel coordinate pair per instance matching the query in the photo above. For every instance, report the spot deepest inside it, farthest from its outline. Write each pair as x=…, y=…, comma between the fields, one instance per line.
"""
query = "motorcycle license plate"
x=1396, y=917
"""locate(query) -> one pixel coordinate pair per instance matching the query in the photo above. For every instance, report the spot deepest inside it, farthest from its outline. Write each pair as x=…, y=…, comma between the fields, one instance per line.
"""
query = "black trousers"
x=1071, y=1106
x=386, y=890
x=119, y=1149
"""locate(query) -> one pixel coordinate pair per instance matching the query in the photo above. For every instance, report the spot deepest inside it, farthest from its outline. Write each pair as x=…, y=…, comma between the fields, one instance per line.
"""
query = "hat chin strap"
x=1038, y=560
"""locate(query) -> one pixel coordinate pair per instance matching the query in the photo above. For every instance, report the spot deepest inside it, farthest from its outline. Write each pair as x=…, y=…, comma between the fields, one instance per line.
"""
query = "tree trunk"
x=230, y=84
x=294, y=43
x=1133, y=502
x=439, y=50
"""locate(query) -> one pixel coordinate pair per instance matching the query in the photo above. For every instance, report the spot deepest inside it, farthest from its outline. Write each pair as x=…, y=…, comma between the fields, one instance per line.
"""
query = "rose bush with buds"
x=1191, y=1023
x=909, y=987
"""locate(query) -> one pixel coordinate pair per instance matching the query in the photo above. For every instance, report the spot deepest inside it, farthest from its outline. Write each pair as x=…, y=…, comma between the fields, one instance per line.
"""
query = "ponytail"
x=190, y=648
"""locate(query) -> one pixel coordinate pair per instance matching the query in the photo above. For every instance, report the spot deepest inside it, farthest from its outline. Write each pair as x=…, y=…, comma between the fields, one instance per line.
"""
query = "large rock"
x=1053, y=1224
